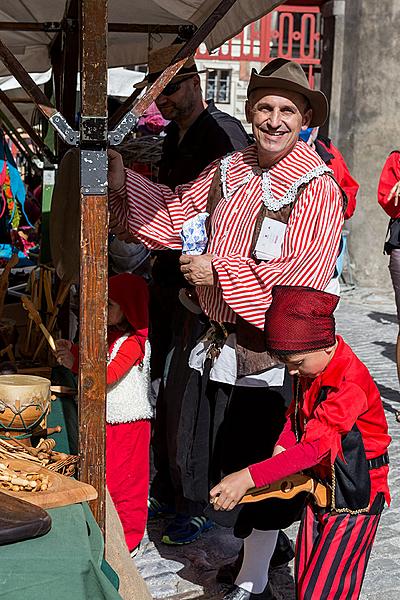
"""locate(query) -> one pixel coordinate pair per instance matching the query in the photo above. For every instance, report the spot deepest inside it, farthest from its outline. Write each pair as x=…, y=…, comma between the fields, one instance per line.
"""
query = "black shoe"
x=227, y=573
x=284, y=551
x=238, y=593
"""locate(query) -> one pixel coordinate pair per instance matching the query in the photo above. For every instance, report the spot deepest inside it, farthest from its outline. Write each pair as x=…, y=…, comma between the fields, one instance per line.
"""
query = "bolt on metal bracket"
x=67, y=134
x=125, y=126
x=94, y=130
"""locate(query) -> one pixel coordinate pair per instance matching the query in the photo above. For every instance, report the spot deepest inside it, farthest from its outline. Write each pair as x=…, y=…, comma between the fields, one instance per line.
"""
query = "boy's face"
x=309, y=364
x=115, y=314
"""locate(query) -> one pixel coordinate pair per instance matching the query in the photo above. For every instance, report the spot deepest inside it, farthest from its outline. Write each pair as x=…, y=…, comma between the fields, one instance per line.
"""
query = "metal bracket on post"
x=93, y=132
x=94, y=172
x=125, y=126
x=66, y=133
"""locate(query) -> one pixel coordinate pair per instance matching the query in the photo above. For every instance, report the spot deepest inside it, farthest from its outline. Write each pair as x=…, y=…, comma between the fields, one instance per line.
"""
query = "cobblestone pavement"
x=367, y=320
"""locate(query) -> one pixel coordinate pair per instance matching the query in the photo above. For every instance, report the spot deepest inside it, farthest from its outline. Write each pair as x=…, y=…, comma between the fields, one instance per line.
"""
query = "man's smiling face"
x=277, y=117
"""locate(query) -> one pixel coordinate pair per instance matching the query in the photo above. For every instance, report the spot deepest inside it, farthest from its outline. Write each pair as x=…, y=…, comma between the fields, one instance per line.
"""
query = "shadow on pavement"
x=389, y=396
x=381, y=317
x=389, y=349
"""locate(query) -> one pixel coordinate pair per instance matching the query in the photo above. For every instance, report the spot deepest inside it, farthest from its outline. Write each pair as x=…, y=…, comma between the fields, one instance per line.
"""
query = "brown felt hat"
x=284, y=74
x=160, y=59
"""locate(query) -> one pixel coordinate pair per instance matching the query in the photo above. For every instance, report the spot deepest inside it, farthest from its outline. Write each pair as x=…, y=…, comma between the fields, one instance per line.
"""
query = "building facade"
x=292, y=32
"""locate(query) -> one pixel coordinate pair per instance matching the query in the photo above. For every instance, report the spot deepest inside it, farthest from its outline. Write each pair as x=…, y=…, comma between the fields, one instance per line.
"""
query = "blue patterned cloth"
x=194, y=235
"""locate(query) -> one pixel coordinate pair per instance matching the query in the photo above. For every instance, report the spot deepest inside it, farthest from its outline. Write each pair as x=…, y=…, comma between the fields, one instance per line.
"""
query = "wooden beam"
x=55, y=27
x=21, y=142
x=26, y=81
x=93, y=254
x=12, y=137
x=137, y=108
x=36, y=139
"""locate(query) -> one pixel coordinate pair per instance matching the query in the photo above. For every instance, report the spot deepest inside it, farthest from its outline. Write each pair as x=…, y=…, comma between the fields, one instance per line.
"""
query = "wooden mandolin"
x=288, y=488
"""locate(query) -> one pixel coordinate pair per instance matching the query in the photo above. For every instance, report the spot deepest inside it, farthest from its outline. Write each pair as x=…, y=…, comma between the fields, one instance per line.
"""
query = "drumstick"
x=29, y=306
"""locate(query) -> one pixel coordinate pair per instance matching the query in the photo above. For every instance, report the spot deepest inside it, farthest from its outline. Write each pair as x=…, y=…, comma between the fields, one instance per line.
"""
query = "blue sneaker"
x=159, y=509
x=184, y=530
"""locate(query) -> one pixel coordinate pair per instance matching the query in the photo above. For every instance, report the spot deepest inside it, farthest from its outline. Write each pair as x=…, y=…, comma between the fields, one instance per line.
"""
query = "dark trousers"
x=167, y=482
x=223, y=429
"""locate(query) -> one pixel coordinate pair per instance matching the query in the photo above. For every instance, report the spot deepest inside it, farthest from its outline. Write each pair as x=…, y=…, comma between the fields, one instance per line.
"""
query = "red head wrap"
x=300, y=319
x=131, y=293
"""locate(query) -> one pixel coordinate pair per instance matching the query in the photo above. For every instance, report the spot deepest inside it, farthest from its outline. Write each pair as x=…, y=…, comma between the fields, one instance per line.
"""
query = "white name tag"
x=270, y=240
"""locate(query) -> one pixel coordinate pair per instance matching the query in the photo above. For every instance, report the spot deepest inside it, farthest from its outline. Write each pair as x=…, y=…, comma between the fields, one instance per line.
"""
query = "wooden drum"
x=24, y=402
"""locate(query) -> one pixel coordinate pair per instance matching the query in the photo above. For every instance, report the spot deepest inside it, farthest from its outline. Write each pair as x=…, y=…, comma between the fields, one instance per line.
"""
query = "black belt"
x=379, y=461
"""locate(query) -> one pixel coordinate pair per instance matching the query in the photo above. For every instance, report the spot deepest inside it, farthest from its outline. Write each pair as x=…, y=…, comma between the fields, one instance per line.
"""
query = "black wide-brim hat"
x=283, y=74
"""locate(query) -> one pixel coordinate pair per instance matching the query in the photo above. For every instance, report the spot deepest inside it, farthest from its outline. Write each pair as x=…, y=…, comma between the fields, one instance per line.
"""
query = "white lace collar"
x=280, y=183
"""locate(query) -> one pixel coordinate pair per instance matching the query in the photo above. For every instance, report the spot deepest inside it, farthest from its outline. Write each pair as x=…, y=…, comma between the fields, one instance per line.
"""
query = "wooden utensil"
x=62, y=293
x=62, y=490
x=4, y=280
x=288, y=488
x=34, y=314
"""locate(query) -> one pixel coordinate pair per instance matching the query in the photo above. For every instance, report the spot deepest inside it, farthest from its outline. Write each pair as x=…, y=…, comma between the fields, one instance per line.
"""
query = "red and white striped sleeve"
x=308, y=258
x=154, y=213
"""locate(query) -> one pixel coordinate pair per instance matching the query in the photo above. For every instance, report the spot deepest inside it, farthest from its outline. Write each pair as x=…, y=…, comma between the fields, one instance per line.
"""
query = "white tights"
x=258, y=548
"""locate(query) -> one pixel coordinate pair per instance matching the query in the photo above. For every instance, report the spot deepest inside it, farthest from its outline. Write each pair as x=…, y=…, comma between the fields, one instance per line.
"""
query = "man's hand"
x=395, y=193
x=120, y=232
x=116, y=171
x=231, y=489
x=198, y=270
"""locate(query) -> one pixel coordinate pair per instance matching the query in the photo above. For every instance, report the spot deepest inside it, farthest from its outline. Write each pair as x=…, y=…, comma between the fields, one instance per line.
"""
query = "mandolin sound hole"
x=286, y=486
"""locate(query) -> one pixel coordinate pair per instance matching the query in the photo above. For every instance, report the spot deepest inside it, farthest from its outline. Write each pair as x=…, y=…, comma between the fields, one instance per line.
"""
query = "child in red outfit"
x=128, y=401
x=336, y=428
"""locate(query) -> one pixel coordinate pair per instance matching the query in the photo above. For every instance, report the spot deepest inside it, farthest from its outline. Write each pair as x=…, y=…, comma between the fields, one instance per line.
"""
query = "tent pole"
x=36, y=139
x=93, y=250
x=18, y=139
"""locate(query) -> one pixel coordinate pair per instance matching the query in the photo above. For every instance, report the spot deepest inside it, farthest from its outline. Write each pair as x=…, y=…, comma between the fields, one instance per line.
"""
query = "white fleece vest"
x=128, y=399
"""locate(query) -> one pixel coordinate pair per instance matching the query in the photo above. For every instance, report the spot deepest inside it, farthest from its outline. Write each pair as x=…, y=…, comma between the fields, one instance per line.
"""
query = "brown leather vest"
x=251, y=354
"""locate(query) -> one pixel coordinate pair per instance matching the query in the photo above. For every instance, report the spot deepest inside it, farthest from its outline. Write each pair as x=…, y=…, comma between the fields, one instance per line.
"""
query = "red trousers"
x=128, y=473
x=332, y=554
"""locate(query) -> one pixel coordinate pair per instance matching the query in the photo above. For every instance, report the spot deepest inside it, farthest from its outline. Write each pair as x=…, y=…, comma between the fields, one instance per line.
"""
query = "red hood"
x=131, y=293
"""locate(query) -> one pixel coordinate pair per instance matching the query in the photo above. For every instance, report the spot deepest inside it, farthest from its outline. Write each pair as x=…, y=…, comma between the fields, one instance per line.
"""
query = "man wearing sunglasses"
x=197, y=134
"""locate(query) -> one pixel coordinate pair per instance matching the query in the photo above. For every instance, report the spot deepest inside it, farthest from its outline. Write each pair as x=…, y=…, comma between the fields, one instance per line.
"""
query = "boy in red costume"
x=335, y=428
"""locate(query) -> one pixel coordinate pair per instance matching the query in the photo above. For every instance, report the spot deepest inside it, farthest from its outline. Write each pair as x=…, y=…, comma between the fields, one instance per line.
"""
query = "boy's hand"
x=231, y=489
x=64, y=354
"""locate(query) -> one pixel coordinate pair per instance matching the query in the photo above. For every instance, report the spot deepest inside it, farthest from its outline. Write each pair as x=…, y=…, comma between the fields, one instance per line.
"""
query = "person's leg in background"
x=394, y=268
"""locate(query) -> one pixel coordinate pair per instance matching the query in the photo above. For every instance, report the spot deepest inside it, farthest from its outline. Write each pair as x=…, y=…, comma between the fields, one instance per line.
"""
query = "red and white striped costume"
x=155, y=214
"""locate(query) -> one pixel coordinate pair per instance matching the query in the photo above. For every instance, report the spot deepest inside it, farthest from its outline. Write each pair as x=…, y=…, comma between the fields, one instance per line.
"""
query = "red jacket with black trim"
x=352, y=399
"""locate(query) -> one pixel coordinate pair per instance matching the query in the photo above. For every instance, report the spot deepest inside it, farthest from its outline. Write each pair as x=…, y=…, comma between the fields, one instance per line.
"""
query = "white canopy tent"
x=31, y=48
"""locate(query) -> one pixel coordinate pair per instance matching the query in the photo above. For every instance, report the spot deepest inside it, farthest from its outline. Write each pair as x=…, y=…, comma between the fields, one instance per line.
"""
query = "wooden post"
x=26, y=81
x=93, y=248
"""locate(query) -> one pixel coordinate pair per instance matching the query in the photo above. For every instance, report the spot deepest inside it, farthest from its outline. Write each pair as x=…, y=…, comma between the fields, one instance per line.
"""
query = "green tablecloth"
x=67, y=563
